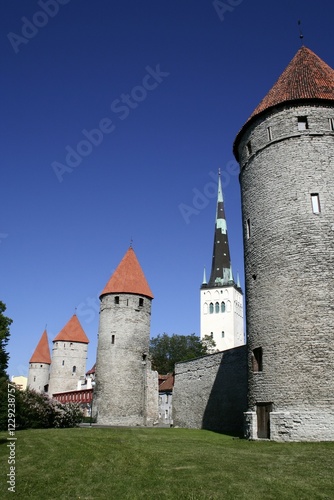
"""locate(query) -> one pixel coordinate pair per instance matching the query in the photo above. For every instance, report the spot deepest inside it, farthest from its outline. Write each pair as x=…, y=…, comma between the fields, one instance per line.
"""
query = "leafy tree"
x=167, y=350
x=4, y=337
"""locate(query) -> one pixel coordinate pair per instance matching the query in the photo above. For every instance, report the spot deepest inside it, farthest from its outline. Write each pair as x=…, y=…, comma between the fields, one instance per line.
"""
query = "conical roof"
x=128, y=277
x=72, y=332
x=42, y=351
x=307, y=77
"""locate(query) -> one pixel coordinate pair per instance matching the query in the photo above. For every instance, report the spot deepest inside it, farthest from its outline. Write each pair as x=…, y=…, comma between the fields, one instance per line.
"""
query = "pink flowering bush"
x=35, y=410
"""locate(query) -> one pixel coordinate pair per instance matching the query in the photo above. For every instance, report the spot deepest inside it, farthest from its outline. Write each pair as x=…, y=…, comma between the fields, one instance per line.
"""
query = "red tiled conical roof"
x=72, y=332
x=306, y=77
x=128, y=277
x=42, y=351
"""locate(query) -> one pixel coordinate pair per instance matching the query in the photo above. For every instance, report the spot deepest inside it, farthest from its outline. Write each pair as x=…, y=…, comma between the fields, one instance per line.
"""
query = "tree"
x=4, y=337
x=167, y=350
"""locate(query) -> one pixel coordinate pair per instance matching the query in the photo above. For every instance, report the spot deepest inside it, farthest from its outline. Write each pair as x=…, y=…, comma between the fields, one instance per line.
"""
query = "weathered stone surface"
x=289, y=261
x=66, y=356
x=126, y=391
x=211, y=392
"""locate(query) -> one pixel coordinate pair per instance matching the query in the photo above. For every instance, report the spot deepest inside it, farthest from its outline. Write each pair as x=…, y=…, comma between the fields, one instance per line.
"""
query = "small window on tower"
x=211, y=335
x=62, y=363
x=331, y=124
x=222, y=307
x=315, y=200
x=113, y=339
x=141, y=302
x=223, y=334
x=249, y=147
x=257, y=359
x=217, y=307
x=302, y=123
x=211, y=308
x=74, y=369
x=270, y=134
x=117, y=299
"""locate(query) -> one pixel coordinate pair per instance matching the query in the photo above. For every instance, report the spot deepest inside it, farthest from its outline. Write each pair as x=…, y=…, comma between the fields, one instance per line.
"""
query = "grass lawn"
x=154, y=464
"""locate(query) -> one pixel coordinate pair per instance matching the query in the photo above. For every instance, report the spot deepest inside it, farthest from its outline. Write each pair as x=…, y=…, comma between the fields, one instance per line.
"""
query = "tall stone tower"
x=39, y=366
x=126, y=390
x=221, y=299
x=69, y=356
x=286, y=156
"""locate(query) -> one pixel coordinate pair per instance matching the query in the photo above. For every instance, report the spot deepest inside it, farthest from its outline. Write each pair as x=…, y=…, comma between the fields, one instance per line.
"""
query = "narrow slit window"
x=117, y=299
x=270, y=134
x=302, y=123
x=113, y=339
x=249, y=147
x=315, y=200
x=331, y=124
x=74, y=369
x=248, y=228
x=257, y=359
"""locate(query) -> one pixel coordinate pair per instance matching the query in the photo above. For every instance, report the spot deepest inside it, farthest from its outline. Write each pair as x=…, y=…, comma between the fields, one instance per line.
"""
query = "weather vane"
x=301, y=36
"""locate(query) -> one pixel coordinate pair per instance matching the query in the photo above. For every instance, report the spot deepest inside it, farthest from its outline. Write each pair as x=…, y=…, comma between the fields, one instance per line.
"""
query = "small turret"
x=39, y=366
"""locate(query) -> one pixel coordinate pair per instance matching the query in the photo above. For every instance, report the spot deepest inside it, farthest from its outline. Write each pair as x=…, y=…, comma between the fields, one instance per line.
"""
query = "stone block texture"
x=68, y=366
x=289, y=261
x=211, y=392
x=38, y=377
x=126, y=390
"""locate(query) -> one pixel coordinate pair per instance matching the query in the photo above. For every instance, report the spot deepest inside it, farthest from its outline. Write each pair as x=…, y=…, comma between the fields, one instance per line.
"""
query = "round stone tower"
x=286, y=156
x=39, y=366
x=123, y=372
x=69, y=356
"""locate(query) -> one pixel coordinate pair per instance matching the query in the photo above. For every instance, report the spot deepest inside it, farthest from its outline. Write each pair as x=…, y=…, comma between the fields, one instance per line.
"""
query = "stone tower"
x=39, y=366
x=126, y=390
x=69, y=355
x=286, y=156
x=221, y=298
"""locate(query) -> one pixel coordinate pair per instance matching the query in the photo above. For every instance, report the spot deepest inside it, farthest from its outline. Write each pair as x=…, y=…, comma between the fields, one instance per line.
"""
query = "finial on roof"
x=131, y=242
x=301, y=36
x=204, y=277
x=219, y=172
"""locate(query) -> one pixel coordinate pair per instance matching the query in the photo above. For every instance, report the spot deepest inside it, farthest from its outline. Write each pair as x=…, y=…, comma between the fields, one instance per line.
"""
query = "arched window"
x=211, y=308
x=217, y=307
x=222, y=307
x=205, y=308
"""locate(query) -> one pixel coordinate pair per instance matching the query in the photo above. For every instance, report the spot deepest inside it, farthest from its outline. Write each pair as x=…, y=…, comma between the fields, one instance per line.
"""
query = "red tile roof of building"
x=167, y=384
x=92, y=370
x=306, y=77
x=42, y=351
x=72, y=332
x=128, y=277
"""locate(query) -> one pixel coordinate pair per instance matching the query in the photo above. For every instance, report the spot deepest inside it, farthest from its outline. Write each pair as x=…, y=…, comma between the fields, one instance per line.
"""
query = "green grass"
x=157, y=464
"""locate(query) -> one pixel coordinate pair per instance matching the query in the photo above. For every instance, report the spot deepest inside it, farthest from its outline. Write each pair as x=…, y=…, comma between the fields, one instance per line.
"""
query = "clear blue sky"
x=61, y=241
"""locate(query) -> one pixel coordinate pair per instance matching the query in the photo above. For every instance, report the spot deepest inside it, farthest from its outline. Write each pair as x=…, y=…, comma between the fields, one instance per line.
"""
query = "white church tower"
x=221, y=297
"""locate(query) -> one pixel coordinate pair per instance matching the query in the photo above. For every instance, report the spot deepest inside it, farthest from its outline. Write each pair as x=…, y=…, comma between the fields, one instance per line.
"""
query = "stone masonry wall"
x=289, y=261
x=211, y=392
x=38, y=376
x=122, y=376
x=66, y=355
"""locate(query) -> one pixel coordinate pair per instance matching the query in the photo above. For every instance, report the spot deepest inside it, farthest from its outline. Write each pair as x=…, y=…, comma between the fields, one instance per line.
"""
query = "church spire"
x=221, y=270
